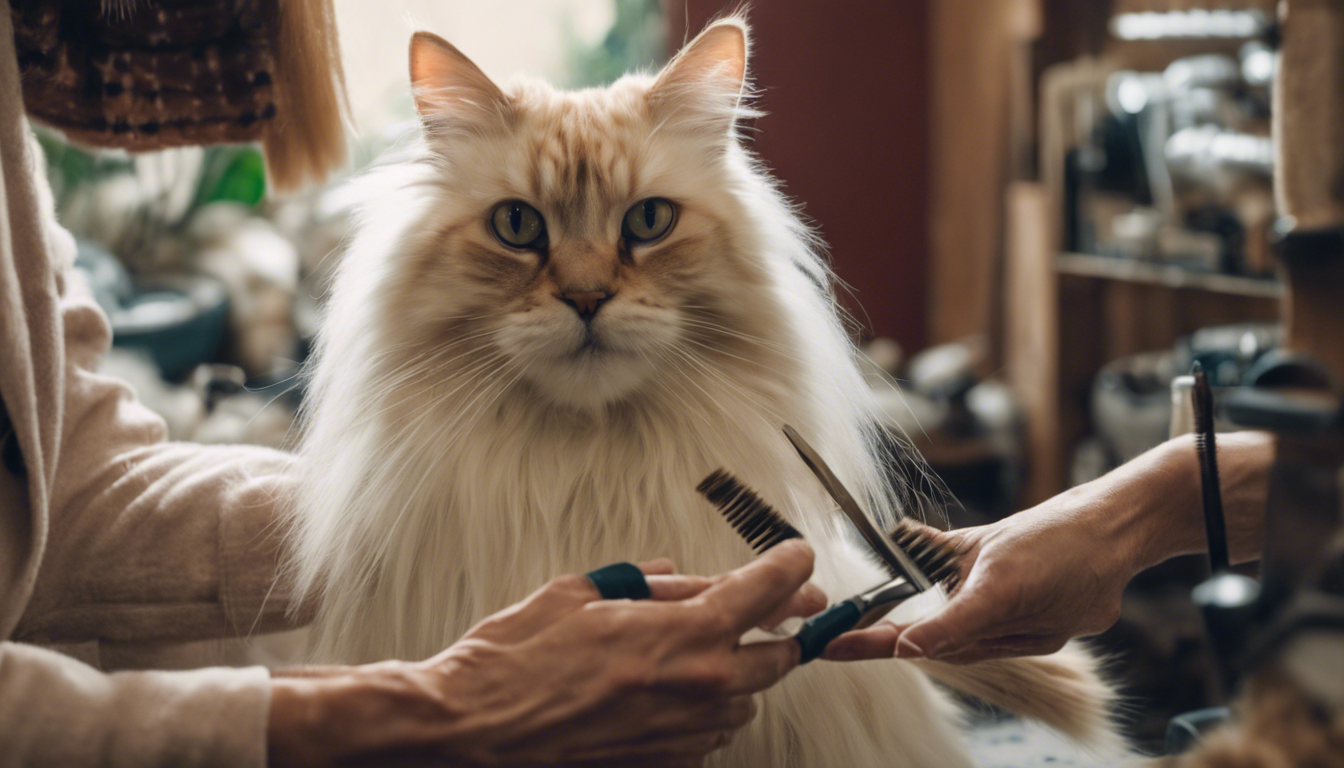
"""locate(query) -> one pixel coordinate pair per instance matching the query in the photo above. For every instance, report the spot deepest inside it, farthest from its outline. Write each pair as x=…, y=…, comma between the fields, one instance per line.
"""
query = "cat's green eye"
x=648, y=220
x=518, y=225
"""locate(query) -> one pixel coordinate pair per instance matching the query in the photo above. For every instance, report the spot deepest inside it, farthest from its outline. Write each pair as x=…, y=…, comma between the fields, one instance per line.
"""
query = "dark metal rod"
x=1214, y=523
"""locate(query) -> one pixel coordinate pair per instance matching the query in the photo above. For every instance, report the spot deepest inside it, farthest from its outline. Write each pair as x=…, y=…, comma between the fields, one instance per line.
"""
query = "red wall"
x=845, y=86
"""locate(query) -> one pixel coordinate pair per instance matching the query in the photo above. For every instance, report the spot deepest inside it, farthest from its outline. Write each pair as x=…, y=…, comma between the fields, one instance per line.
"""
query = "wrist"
x=1159, y=499
x=296, y=733
x=354, y=715
x=1165, y=507
x=1139, y=514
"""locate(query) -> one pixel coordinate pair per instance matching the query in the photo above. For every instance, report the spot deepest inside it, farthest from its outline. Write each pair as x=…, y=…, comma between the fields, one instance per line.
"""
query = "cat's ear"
x=449, y=87
x=703, y=86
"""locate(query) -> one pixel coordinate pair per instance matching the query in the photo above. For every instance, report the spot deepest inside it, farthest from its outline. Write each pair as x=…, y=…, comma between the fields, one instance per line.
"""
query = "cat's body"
x=471, y=437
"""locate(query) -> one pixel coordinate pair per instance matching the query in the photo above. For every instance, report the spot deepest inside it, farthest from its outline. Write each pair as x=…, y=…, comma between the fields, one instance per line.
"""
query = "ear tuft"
x=704, y=82
x=448, y=86
x=718, y=53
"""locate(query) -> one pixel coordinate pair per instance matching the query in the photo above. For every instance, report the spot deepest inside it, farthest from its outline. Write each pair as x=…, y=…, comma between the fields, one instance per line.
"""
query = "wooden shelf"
x=1164, y=275
x=1066, y=315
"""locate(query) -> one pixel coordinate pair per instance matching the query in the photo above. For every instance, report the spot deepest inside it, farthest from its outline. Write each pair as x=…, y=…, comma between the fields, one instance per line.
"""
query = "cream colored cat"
x=554, y=320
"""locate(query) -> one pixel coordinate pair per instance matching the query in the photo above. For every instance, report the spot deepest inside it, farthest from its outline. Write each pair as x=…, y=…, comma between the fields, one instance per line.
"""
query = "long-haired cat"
x=552, y=323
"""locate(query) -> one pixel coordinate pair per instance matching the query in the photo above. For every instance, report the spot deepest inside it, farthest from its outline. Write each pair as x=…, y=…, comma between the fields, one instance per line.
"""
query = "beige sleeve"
x=55, y=711
x=152, y=540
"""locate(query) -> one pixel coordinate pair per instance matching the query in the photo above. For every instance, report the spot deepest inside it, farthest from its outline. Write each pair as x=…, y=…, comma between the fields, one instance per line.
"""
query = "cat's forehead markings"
x=578, y=163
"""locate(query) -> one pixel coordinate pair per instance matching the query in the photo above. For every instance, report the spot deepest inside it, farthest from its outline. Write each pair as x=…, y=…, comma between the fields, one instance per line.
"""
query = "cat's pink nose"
x=585, y=303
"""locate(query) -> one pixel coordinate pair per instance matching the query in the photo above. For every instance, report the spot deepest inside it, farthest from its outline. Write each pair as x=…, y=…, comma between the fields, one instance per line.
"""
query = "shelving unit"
x=1068, y=314
x=1065, y=315
x=1089, y=310
x=1000, y=127
x=1165, y=276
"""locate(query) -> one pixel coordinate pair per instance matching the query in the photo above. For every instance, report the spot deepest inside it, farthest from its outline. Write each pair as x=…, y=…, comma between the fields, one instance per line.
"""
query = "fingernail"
x=906, y=649
x=813, y=594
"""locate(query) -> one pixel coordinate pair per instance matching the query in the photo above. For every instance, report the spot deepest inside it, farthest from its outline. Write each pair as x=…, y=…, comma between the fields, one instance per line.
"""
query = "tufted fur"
x=467, y=440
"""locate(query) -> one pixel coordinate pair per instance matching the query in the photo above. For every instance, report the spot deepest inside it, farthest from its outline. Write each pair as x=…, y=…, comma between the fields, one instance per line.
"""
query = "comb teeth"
x=938, y=561
x=755, y=521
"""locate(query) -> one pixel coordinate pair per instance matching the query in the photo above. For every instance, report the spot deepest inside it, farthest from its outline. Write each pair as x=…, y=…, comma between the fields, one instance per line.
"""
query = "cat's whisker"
x=734, y=389
x=467, y=376
x=733, y=333
x=762, y=365
x=400, y=375
x=438, y=364
x=712, y=399
x=751, y=406
x=428, y=365
x=395, y=350
x=417, y=365
x=716, y=335
x=665, y=383
x=452, y=428
x=412, y=377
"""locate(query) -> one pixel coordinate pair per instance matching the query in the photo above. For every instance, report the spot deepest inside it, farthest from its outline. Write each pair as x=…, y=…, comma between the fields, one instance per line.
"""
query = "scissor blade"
x=884, y=548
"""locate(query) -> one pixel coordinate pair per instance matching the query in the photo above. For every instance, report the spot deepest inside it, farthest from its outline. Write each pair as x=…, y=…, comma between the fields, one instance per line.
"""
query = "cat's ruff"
x=469, y=436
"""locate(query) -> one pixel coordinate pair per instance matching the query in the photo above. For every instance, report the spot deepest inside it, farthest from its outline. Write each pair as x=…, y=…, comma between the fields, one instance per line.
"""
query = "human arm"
x=559, y=677
x=149, y=540
x=562, y=679
x=1036, y=579
x=55, y=710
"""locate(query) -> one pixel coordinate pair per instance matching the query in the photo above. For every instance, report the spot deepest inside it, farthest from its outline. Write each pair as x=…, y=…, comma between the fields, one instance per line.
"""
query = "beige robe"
x=110, y=536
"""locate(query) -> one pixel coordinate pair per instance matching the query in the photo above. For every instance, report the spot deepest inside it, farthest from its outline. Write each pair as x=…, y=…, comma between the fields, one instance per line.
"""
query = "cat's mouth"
x=595, y=348
x=591, y=346
x=591, y=368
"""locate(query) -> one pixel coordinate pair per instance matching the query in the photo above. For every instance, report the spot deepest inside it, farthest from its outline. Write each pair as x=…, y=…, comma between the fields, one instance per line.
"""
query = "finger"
x=805, y=602
x=753, y=592
x=660, y=567
x=877, y=642
x=677, y=587
x=758, y=666
x=969, y=616
x=542, y=608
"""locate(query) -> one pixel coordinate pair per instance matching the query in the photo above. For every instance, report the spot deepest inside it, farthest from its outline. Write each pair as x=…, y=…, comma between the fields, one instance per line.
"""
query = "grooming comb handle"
x=754, y=520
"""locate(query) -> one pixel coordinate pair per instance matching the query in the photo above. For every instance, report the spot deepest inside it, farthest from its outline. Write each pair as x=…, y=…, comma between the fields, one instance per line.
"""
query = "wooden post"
x=1309, y=177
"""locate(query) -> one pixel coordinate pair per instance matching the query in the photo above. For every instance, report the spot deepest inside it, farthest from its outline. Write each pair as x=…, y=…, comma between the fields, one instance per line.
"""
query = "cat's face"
x=583, y=240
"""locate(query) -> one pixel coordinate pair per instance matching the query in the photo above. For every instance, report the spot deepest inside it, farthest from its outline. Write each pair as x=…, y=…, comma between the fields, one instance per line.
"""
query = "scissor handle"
x=820, y=630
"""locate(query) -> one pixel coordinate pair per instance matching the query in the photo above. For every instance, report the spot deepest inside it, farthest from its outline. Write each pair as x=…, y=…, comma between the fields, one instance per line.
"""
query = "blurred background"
x=1042, y=211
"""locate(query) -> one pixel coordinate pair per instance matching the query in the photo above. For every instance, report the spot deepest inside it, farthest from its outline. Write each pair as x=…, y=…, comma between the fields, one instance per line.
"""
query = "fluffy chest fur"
x=461, y=497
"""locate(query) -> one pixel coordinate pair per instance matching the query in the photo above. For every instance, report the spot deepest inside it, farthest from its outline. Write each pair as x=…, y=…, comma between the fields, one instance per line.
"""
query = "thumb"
x=962, y=620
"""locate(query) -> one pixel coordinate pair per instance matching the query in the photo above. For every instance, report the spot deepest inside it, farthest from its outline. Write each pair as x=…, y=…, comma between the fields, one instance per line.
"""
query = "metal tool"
x=898, y=560
x=868, y=607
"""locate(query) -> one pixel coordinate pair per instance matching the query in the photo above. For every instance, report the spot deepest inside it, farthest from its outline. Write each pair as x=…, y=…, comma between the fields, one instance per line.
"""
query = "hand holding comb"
x=907, y=552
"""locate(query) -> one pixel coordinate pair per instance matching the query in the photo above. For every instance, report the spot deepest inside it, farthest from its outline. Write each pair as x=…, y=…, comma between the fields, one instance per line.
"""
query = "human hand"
x=567, y=679
x=1036, y=579
x=1028, y=584
x=567, y=593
